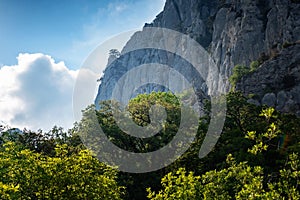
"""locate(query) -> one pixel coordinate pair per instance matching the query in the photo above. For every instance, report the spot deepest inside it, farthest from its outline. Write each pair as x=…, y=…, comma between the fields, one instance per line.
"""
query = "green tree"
x=241, y=117
x=139, y=111
x=29, y=175
x=115, y=53
x=178, y=185
x=237, y=73
x=254, y=65
x=239, y=180
x=43, y=142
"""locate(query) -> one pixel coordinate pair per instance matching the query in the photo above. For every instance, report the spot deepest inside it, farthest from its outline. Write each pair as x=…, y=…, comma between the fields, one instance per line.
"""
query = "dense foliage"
x=237, y=73
x=256, y=157
x=237, y=180
x=29, y=175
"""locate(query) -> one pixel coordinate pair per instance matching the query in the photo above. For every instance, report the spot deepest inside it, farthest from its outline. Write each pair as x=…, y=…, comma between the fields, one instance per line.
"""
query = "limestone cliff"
x=233, y=32
x=276, y=82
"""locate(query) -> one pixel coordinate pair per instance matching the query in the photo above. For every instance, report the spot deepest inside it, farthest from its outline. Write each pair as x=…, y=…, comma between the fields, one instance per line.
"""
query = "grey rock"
x=290, y=106
x=280, y=75
x=233, y=32
x=269, y=99
x=281, y=100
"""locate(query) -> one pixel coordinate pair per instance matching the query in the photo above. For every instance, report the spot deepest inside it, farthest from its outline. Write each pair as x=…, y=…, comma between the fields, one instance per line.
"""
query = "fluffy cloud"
x=36, y=93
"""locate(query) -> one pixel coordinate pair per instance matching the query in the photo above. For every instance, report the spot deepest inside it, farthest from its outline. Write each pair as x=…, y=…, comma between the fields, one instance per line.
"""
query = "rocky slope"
x=233, y=32
x=276, y=82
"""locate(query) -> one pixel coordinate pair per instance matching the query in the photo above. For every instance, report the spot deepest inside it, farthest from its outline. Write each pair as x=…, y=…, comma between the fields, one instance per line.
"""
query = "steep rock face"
x=192, y=17
x=119, y=67
x=276, y=82
x=245, y=30
x=232, y=31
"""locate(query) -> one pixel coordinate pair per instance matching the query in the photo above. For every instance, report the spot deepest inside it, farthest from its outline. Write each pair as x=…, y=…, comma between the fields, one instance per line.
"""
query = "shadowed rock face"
x=276, y=82
x=233, y=32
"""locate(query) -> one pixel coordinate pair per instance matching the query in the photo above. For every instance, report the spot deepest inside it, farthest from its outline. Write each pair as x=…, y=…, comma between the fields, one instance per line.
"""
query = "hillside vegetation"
x=256, y=157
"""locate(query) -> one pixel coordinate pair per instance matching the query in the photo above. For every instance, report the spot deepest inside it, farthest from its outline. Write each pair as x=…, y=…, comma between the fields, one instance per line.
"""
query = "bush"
x=254, y=65
x=240, y=179
x=26, y=174
x=237, y=73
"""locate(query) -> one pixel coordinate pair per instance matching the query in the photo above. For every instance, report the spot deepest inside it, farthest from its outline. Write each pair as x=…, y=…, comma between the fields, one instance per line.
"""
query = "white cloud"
x=36, y=93
x=115, y=8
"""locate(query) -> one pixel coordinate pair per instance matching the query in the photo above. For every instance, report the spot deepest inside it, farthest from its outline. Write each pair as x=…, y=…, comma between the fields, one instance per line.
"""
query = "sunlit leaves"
x=239, y=180
x=262, y=140
x=30, y=175
x=178, y=185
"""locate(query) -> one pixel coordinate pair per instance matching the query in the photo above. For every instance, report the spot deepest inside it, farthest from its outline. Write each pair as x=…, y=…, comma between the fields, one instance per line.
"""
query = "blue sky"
x=67, y=30
x=43, y=44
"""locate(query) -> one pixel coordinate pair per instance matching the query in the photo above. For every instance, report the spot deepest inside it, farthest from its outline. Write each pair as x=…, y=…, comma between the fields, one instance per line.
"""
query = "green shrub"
x=254, y=65
x=237, y=73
